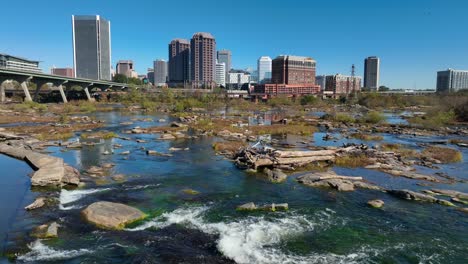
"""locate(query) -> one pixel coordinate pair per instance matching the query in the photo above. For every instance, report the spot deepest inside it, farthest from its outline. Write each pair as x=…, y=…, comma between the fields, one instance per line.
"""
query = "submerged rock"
x=376, y=203
x=415, y=196
x=190, y=191
x=275, y=175
x=110, y=215
x=247, y=207
x=38, y=203
x=118, y=177
x=46, y=231
x=275, y=207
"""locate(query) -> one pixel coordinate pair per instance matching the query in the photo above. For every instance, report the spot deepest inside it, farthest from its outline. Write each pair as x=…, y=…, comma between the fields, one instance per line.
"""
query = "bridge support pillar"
x=62, y=93
x=2, y=91
x=26, y=91
x=86, y=90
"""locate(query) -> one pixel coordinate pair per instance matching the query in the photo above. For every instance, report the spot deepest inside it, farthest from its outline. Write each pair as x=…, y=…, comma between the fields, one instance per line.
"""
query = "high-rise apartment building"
x=66, y=72
x=293, y=70
x=160, y=72
x=225, y=56
x=371, y=73
x=126, y=68
x=203, y=60
x=179, y=61
x=91, y=47
x=452, y=80
x=264, y=69
x=221, y=74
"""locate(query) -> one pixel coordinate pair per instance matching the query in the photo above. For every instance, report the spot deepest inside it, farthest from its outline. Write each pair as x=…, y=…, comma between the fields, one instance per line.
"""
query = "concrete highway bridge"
x=48, y=82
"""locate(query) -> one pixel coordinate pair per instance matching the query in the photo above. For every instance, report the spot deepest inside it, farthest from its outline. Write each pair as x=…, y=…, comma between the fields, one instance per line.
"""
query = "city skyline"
x=417, y=37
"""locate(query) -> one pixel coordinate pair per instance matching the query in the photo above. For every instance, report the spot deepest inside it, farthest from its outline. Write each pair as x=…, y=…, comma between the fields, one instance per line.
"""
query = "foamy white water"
x=41, y=252
x=252, y=240
x=67, y=197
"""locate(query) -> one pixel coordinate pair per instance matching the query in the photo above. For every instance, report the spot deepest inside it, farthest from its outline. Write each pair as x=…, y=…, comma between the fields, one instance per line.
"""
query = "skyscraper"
x=91, y=47
x=371, y=73
x=179, y=58
x=264, y=69
x=203, y=60
x=221, y=74
x=160, y=72
x=225, y=56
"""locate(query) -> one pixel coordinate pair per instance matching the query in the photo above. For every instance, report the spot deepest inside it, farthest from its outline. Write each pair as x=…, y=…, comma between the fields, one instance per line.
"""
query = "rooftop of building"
x=294, y=57
x=18, y=58
x=238, y=71
x=453, y=70
x=88, y=17
x=180, y=40
x=125, y=62
x=265, y=58
x=203, y=34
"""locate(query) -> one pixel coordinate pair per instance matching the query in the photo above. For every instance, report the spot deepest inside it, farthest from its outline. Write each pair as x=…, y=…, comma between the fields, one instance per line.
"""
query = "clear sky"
x=413, y=38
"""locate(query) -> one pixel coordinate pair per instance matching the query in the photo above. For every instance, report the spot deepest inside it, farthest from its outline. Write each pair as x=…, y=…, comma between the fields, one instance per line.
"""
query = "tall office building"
x=264, y=69
x=293, y=70
x=225, y=56
x=452, y=80
x=203, y=60
x=221, y=74
x=126, y=68
x=179, y=61
x=160, y=72
x=91, y=47
x=371, y=73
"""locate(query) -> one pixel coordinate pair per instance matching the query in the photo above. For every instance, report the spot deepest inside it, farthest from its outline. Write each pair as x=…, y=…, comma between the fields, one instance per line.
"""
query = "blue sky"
x=413, y=38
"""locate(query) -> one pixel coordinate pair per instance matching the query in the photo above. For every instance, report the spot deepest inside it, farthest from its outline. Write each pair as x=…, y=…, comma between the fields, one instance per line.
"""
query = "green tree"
x=120, y=78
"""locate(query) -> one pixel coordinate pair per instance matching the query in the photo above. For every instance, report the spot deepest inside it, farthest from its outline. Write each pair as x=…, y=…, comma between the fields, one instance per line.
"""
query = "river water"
x=322, y=226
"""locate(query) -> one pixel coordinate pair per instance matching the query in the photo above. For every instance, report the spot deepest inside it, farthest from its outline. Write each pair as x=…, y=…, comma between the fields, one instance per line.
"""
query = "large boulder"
x=110, y=215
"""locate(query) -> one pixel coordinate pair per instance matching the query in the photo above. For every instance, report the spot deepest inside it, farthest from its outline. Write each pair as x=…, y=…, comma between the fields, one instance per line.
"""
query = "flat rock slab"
x=110, y=215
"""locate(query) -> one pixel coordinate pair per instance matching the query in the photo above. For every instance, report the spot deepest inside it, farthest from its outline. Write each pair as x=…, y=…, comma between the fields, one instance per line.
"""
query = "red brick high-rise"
x=203, y=60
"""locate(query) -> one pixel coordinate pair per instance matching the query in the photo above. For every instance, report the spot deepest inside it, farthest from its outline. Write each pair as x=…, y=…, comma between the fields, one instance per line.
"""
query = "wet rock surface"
x=110, y=215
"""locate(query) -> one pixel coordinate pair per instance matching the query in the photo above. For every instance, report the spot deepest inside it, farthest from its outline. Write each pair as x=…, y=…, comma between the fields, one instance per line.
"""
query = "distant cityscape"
x=198, y=64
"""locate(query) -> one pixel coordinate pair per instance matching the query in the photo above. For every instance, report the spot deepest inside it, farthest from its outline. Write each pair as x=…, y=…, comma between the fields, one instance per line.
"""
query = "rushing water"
x=322, y=226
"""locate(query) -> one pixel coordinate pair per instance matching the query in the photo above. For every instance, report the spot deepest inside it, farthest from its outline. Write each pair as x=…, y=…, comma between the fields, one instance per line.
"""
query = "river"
x=321, y=226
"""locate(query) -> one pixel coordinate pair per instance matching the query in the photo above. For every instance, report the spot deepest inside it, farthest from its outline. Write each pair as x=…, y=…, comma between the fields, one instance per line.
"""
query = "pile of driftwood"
x=254, y=158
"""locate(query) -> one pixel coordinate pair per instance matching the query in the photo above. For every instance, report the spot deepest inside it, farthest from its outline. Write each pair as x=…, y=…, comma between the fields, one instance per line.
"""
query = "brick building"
x=203, y=60
x=337, y=85
x=292, y=76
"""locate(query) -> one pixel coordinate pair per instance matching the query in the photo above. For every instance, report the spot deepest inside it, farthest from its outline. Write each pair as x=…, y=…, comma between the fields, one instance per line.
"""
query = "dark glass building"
x=91, y=47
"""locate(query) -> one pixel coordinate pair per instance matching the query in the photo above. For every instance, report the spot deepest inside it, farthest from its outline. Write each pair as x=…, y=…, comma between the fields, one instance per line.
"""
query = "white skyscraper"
x=264, y=69
x=220, y=74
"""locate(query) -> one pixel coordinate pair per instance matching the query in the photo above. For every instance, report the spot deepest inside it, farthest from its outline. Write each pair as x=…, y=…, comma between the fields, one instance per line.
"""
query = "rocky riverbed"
x=158, y=188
